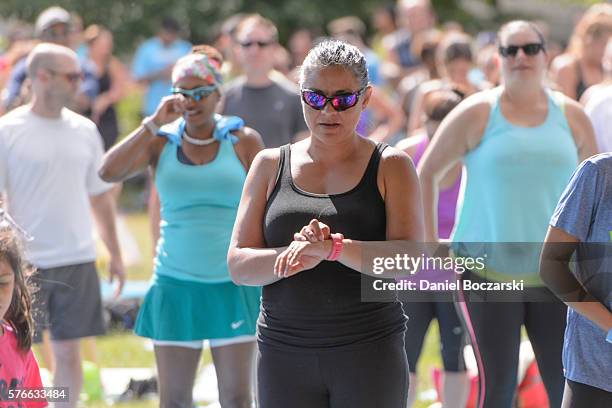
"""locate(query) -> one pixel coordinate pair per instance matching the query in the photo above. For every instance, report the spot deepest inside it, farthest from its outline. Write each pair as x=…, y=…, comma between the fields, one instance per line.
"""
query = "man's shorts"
x=67, y=302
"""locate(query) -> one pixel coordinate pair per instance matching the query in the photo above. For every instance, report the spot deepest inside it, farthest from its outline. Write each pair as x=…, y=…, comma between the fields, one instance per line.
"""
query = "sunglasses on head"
x=260, y=44
x=196, y=93
x=7, y=222
x=530, y=49
x=341, y=102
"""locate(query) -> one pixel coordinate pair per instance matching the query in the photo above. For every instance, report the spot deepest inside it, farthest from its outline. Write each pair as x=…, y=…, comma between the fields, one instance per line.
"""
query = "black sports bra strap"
x=372, y=169
x=284, y=176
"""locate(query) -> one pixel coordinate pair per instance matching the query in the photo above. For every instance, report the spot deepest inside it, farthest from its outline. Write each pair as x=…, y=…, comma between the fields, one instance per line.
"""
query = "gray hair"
x=330, y=53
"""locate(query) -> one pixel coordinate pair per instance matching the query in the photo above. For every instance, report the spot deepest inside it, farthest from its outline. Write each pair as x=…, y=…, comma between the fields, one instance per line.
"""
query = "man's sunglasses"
x=317, y=100
x=530, y=49
x=196, y=93
x=260, y=44
x=6, y=221
x=56, y=31
x=71, y=77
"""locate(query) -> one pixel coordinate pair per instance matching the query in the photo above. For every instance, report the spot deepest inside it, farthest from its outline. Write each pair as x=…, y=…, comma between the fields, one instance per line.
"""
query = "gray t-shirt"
x=274, y=111
x=585, y=212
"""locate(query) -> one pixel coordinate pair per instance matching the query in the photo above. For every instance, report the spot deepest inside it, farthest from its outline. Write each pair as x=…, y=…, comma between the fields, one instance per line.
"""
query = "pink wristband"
x=336, y=248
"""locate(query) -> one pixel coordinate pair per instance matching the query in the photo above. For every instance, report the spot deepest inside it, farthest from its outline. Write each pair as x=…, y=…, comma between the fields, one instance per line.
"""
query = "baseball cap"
x=51, y=16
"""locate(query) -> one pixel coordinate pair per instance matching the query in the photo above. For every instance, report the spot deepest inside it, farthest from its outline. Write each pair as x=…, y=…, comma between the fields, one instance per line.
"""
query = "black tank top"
x=108, y=126
x=321, y=308
x=581, y=86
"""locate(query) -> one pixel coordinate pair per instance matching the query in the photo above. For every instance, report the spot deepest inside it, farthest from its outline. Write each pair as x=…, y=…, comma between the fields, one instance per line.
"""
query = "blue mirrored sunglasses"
x=196, y=93
x=341, y=102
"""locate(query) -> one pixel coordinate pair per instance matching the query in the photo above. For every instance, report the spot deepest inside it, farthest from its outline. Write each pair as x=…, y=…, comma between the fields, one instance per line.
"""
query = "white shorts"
x=198, y=344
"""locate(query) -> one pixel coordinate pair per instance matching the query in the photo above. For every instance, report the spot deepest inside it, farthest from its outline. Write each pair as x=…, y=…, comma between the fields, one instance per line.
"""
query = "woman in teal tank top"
x=520, y=144
x=199, y=164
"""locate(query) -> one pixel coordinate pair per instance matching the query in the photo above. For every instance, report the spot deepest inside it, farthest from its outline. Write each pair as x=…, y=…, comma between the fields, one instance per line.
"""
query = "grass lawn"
x=138, y=223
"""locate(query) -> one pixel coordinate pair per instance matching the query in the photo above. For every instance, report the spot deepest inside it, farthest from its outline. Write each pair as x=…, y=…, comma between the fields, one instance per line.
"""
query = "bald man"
x=49, y=156
x=54, y=25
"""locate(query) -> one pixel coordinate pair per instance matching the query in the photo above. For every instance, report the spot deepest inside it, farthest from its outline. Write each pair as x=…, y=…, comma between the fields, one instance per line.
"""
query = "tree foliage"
x=133, y=20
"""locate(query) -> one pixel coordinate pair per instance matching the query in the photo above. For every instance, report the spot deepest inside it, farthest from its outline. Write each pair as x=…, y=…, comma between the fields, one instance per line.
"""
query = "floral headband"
x=199, y=66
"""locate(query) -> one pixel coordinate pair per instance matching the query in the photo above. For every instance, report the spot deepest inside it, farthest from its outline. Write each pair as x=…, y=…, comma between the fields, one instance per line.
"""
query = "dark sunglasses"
x=260, y=44
x=530, y=49
x=68, y=76
x=196, y=93
x=317, y=100
x=56, y=31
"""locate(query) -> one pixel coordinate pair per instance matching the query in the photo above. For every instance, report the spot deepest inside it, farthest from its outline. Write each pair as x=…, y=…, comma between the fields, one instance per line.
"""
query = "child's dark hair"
x=439, y=103
x=19, y=313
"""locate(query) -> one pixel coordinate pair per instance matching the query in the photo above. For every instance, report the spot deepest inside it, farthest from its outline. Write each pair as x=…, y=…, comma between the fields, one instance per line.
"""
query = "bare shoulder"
x=263, y=172
x=574, y=111
x=396, y=172
x=472, y=113
x=580, y=126
x=467, y=122
x=564, y=63
x=248, y=136
x=579, y=123
x=394, y=161
x=248, y=145
x=478, y=104
x=266, y=162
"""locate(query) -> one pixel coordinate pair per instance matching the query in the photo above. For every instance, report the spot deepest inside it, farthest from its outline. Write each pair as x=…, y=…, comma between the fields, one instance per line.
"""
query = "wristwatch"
x=150, y=125
x=609, y=336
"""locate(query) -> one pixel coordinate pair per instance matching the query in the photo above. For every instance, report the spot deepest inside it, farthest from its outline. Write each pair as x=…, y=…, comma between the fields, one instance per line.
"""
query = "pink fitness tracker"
x=336, y=248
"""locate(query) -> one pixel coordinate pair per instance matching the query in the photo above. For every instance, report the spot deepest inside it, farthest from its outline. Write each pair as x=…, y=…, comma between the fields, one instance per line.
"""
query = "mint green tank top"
x=198, y=209
x=514, y=178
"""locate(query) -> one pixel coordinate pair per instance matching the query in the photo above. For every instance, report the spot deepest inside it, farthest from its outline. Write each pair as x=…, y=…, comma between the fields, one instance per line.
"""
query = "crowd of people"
x=277, y=174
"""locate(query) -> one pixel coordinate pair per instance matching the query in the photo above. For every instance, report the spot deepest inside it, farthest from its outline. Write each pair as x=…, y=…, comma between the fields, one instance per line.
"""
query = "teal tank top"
x=514, y=178
x=198, y=209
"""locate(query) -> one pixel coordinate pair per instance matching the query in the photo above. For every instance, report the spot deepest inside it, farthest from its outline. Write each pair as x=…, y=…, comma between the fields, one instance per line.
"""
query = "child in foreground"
x=18, y=368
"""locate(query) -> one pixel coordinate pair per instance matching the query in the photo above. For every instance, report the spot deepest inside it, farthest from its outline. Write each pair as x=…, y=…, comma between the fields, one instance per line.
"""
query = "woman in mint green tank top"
x=520, y=144
x=199, y=164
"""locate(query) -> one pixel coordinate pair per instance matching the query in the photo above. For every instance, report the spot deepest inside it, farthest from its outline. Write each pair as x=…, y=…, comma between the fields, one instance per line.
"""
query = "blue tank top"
x=198, y=209
x=515, y=177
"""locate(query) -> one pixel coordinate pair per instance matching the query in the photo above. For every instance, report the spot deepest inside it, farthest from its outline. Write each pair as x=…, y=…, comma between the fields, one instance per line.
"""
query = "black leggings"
x=579, y=395
x=494, y=329
x=372, y=375
x=420, y=315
